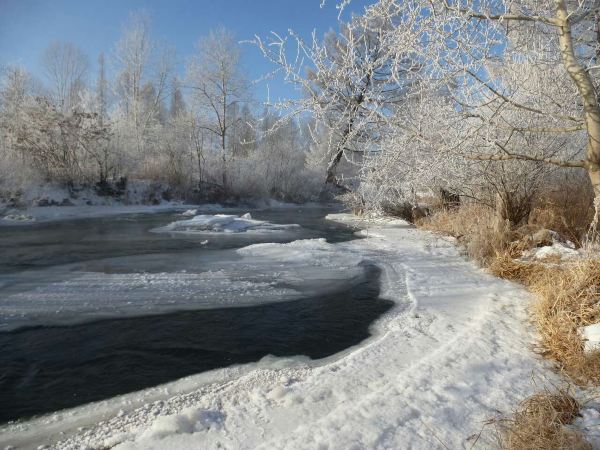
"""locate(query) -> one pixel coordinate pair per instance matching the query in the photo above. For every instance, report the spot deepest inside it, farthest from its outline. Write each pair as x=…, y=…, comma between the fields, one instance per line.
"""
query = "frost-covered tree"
x=65, y=67
x=142, y=81
x=519, y=79
x=102, y=91
x=218, y=86
x=349, y=83
x=59, y=142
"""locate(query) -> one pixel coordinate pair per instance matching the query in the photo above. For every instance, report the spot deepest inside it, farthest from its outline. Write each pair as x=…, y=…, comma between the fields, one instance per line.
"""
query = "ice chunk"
x=221, y=223
x=190, y=212
x=19, y=218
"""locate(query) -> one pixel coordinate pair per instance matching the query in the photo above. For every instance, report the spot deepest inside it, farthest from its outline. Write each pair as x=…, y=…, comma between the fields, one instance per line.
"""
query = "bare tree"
x=215, y=76
x=102, y=90
x=65, y=66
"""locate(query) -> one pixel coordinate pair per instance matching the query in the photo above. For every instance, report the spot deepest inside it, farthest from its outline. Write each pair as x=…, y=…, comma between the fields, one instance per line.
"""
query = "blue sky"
x=27, y=27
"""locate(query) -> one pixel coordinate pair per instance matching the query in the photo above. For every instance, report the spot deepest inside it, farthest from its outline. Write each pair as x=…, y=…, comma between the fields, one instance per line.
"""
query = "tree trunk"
x=591, y=109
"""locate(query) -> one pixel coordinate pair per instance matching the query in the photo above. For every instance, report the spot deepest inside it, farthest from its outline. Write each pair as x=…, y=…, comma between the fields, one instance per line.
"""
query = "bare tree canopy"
x=65, y=66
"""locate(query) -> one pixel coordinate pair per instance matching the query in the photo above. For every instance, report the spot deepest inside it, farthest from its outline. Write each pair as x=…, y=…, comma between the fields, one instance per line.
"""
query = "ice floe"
x=222, y=223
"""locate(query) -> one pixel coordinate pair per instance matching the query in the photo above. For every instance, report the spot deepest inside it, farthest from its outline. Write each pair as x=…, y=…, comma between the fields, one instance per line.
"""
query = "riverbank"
x=451, y=355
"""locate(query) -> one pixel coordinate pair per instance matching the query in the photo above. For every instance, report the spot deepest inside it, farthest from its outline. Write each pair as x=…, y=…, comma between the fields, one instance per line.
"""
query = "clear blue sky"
x=27, y=27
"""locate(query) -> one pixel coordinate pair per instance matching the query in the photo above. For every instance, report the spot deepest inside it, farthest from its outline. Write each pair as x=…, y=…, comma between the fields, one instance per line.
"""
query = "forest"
x=199, y=138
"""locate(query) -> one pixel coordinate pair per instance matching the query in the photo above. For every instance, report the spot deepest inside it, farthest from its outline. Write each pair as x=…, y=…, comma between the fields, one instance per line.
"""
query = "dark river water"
x=48, y=368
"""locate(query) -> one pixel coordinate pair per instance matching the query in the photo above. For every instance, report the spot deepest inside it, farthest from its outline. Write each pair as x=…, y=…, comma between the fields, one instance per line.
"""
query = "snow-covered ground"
x=454, y=353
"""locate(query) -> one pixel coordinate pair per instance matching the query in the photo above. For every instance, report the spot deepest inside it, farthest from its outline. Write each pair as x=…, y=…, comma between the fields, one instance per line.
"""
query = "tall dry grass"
x=568, y=299
x=476, y=227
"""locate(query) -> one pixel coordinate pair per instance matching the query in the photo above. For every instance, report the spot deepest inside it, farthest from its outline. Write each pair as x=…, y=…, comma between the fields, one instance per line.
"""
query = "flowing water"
x=49, y=366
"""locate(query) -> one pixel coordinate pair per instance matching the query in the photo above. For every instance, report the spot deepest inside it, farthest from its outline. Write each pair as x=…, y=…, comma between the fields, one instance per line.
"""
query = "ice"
x=254, y=275
x=222, y=223
x=19, y=218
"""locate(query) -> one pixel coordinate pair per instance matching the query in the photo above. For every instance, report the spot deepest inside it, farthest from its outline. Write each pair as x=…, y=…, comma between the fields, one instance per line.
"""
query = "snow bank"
x=453, y=354
x=221, y=223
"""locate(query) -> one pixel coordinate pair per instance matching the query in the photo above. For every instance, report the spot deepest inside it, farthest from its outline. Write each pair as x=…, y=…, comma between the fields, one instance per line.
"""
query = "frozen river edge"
x=451, y=355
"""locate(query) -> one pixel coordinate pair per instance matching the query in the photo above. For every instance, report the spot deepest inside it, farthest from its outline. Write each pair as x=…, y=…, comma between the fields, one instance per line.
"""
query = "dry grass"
x=541, y=422
x=504, y=266
x=475, y=226
x=567, y=298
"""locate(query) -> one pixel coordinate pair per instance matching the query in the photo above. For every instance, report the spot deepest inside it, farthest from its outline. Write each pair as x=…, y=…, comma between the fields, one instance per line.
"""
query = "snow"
x=591, y=334
x=222, y=223
x=453, y=353
x=557, y=250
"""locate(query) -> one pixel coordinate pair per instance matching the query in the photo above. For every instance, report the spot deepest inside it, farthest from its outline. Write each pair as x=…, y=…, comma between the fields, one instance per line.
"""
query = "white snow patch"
x=561, y=250
x=591, y=334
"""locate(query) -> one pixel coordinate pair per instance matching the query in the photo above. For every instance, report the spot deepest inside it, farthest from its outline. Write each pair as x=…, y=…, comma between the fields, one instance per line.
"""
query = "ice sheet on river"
x=221, y=223
x=130, y=286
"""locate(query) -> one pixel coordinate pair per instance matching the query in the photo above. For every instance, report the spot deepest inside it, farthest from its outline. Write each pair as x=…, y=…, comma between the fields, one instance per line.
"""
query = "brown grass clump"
x=504, y=266
x=476, y=227
x=569, y=298
x=541, y=422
